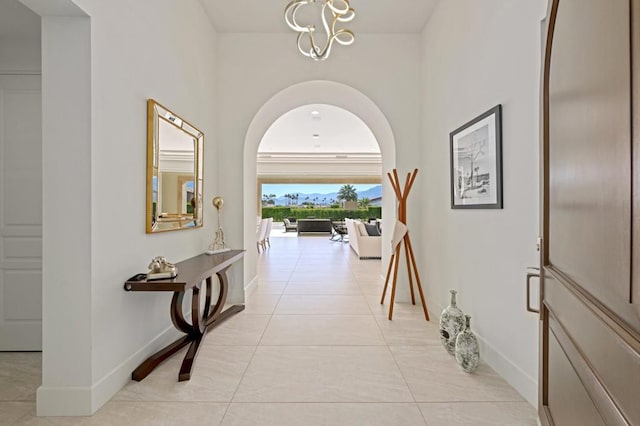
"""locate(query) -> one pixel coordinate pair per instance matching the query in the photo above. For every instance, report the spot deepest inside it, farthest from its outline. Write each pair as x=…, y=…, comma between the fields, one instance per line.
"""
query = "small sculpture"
x=218, y=245
x=159, y=269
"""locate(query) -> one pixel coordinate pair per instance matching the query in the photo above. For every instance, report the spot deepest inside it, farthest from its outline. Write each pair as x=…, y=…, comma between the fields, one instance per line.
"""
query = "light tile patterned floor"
x=313, y=347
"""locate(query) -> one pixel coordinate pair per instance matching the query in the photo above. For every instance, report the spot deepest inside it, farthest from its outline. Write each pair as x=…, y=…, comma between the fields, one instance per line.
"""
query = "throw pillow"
x=372, y=229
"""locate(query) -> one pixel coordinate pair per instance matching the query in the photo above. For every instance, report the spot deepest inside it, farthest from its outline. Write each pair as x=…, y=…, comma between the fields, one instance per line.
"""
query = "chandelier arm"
x=290, y=18
x=304, y=52
x=347, y=17
x=350, y=37
x=337, y=10
x=315, y=52
x=327, y=29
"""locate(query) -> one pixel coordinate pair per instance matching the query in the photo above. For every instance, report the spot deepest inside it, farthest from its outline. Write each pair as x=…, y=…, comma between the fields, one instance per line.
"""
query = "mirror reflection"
x=174, y=172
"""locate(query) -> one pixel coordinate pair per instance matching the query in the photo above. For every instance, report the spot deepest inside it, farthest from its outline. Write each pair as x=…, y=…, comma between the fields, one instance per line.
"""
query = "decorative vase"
x=467, y=351
x=451, y=323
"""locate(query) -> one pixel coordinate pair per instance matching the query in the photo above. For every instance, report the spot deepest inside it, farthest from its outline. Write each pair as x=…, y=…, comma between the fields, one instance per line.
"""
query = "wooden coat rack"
x=401, y=233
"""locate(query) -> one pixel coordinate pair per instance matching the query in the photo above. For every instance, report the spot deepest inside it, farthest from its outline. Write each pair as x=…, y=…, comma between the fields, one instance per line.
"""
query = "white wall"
x=20, y=56
x=476, y=55
x=255, y=67
x=156, y=49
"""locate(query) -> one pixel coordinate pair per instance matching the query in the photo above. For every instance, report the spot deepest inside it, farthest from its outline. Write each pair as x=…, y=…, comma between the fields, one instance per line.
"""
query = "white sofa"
x=365, y=246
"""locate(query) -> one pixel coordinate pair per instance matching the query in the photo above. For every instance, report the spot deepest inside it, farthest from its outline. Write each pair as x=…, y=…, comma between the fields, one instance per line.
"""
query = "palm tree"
x=347, y=193
x=364, y=203
x=268, y=199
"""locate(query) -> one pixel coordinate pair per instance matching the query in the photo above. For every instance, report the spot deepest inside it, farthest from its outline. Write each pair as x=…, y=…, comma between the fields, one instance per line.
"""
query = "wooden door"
x=590, y=302
x=20, y=213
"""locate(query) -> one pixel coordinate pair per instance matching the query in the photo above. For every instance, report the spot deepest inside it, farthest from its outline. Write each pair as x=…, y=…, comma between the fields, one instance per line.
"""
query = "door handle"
x=529, y=276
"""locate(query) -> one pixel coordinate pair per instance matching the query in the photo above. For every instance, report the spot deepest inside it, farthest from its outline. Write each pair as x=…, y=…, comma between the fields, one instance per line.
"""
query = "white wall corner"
x=106, y=387
x=85, y=401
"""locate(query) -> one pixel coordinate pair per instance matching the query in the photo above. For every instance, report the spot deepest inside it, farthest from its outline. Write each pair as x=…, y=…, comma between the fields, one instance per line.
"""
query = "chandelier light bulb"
x=332, y=12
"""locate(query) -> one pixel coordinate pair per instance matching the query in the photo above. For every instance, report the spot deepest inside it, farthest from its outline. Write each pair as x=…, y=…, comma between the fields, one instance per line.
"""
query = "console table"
x=191, y=274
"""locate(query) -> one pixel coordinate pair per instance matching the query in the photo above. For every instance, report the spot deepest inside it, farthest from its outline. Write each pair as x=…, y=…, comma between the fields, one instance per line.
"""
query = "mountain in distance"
x=371, y=193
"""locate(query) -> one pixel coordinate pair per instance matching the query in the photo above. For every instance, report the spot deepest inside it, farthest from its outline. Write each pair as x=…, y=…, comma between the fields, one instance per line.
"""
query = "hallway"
x=313, y=347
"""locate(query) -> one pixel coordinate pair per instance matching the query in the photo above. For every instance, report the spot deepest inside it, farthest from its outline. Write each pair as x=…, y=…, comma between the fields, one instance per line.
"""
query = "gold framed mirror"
x=174, y=171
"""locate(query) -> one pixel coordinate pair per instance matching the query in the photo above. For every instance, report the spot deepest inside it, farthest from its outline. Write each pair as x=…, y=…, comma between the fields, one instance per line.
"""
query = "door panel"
x=607, y=361
x=20, y=213
x=566, y=391
x=589, y=122
x=590, y=323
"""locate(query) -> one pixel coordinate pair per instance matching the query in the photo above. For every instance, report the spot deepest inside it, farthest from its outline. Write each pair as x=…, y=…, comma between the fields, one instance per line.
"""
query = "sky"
x=284, y=188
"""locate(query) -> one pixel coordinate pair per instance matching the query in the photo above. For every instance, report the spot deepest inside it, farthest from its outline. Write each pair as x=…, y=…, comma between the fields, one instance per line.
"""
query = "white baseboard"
x=514, y=375
x=105, y=388
x=85, y=401
x=250, y=288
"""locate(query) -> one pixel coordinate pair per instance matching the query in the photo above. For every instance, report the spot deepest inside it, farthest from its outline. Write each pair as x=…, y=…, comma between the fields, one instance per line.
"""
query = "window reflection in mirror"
x=174, y=175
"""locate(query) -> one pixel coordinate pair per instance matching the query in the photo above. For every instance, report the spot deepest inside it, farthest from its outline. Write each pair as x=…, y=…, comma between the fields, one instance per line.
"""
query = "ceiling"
x=267, y=16
x=18, y=22
x=340, y=131
x=316, y=129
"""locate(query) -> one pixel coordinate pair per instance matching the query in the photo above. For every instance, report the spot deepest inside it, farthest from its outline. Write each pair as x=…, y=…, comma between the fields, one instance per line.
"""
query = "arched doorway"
x=314, y=149
x=313, y=92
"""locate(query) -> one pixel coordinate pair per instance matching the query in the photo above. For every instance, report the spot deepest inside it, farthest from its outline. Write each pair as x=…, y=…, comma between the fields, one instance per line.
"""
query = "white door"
x=20, y=213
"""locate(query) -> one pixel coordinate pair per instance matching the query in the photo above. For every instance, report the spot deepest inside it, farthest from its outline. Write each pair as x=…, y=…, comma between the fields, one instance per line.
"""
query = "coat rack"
x=401, y=235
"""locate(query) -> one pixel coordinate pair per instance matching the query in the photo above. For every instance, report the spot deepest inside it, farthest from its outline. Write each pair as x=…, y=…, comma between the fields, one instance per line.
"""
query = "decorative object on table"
x=401, y=235
x=160, y=269
x=467, y=351
x=451, y=324
x=476, y=162
x=218, y=245
x=332, y=12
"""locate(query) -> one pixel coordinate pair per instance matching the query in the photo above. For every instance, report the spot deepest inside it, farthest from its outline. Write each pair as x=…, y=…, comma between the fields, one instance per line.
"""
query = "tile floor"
x=313, y=347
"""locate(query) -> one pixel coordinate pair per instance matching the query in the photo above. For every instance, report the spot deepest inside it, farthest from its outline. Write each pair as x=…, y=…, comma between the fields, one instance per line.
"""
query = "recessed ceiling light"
x=315, y=115
x=315, y=112
x=316, y=136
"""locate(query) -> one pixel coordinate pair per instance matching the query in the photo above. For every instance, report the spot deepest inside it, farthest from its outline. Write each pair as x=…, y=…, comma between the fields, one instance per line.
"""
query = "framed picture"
x=476, y=162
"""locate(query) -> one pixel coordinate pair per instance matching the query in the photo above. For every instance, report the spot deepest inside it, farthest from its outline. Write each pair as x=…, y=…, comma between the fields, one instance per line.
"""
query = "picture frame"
x=476, y=162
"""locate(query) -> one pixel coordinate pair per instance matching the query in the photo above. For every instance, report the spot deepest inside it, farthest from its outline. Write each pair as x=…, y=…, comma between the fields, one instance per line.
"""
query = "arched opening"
x=312, y=150
x=296, y=96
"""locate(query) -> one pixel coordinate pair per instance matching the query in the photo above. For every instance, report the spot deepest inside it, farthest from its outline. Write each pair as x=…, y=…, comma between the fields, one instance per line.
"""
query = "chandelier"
x=332, y=12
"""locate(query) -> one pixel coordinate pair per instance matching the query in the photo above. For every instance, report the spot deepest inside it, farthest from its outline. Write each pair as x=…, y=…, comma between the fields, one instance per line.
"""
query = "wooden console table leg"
x=189, y=359
x=156, y=359
x=206, y=320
